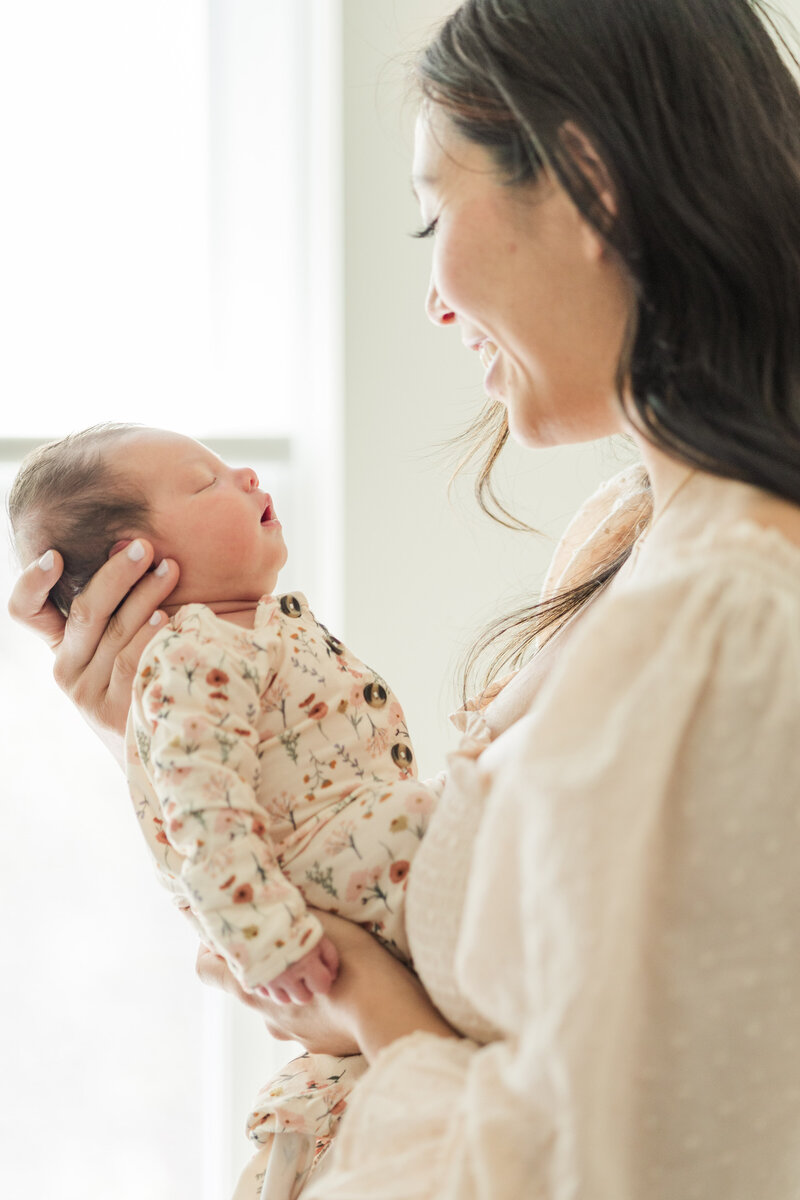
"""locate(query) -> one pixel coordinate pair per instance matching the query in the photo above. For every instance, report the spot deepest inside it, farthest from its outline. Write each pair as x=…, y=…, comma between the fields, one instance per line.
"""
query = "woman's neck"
x=691, y=499
x=667, y=475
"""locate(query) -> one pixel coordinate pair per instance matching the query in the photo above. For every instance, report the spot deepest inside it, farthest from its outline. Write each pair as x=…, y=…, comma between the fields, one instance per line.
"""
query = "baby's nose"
x=247, y=478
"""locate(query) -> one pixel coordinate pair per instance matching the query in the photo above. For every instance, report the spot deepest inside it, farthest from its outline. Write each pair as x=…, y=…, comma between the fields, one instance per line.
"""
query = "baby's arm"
x=194, y=710
x=313, y=974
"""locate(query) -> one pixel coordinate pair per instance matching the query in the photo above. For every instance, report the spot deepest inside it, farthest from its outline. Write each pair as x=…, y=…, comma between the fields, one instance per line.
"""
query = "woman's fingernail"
x=156, y=618
x=46, y=561
x=162, y=567
x=136, y=551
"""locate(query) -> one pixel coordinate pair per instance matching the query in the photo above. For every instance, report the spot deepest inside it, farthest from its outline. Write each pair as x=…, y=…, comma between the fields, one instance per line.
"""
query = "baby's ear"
x=120, y=545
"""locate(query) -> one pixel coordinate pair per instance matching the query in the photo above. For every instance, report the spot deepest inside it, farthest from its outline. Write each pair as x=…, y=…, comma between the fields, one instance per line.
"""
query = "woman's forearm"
x=374, y=1000
x=385, y=1006
x=379, y=1028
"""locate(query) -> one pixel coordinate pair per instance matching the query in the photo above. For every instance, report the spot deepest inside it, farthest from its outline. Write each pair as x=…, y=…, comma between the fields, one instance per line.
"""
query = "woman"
x=608, y=894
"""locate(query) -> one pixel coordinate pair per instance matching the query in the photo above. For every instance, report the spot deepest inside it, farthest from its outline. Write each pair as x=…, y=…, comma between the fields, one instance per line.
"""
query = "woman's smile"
x=530, y=284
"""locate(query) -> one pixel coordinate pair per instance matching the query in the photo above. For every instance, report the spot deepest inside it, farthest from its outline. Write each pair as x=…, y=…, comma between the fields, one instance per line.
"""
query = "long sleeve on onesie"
x=257, y=754
x=194, y=715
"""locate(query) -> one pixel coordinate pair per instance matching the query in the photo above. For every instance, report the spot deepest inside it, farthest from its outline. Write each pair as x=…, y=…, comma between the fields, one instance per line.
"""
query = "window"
x=165, y=260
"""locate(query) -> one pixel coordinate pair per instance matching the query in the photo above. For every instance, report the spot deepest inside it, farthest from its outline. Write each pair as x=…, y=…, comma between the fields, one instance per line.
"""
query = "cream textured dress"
x=609, y=897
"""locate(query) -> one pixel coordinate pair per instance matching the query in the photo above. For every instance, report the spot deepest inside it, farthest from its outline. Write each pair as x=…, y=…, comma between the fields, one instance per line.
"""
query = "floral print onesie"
x=271, y=770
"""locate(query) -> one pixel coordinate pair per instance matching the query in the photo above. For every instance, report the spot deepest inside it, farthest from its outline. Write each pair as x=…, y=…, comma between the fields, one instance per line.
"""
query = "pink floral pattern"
x=260, y=765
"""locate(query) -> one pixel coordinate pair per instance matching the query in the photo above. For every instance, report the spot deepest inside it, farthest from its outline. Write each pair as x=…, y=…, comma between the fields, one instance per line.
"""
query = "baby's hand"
x=314, y=972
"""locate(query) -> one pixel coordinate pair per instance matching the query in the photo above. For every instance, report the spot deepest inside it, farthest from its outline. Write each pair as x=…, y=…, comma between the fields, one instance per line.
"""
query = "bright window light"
x=166, y=260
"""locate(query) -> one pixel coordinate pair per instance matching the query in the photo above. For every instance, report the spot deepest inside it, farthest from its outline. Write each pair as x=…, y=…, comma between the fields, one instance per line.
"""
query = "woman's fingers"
x=212, y=970
x=100, y=649
x=128, y=632
x=288, y=991
x=29, y=602
x=319, y=1029
x=107, y=700
x=97, y=649
x=91, y=633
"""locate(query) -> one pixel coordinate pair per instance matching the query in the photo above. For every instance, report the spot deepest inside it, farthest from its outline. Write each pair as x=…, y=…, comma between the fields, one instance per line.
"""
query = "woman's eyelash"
x=428, y=231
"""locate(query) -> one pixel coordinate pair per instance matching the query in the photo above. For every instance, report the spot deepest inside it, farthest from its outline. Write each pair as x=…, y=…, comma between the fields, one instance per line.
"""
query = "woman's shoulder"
x=719, y=611
x=600, y=527
x=745, y=557
x=699, y=644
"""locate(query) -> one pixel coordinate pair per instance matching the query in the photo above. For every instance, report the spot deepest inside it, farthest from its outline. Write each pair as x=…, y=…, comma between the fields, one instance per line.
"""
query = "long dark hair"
x=695, y=115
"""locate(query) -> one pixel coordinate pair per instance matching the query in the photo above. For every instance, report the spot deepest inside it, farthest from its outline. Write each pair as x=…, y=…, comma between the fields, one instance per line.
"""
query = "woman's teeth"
x=487, y=353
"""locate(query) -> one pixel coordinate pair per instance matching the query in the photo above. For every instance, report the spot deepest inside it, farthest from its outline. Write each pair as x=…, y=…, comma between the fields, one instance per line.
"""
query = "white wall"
x=421, y=576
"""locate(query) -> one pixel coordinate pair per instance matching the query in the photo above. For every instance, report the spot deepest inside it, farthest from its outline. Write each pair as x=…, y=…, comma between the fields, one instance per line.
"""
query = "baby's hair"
x=68, y=497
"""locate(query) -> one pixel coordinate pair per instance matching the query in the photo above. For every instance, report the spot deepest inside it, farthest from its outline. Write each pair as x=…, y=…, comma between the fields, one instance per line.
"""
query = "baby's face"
x=213, y=519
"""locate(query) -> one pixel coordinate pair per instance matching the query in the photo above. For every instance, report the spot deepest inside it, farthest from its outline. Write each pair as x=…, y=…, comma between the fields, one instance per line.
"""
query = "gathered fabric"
x=272, y=772
x=616, y=919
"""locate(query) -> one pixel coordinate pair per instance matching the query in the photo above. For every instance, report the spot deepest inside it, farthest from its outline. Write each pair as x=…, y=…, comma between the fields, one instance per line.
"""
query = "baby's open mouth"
x=268, y=514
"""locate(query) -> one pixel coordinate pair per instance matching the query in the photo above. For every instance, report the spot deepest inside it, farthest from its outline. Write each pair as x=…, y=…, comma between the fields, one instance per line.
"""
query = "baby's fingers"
x=299, y=993
x=272, y=992
x=330, y=956
x=318, y=975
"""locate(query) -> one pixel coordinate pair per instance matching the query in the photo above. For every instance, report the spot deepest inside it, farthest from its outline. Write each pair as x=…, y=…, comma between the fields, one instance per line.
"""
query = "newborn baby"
x=270, y=769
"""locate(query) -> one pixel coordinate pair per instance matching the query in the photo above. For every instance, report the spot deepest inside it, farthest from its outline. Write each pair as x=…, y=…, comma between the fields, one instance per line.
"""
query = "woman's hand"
x=373, y=1001
x=97, y=649
x=317, y=1027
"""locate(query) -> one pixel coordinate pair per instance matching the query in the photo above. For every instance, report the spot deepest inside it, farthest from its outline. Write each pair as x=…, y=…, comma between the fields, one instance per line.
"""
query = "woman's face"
x=530, y=285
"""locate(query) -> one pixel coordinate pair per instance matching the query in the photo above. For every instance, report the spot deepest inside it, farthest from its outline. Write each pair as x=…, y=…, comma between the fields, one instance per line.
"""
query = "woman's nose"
x=247, y=478
x=437, y=310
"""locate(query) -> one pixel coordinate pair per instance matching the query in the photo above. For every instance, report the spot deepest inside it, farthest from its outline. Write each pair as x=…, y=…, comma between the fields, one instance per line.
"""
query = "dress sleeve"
x=194, y=712
x=631, y=926
x=599, y=528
